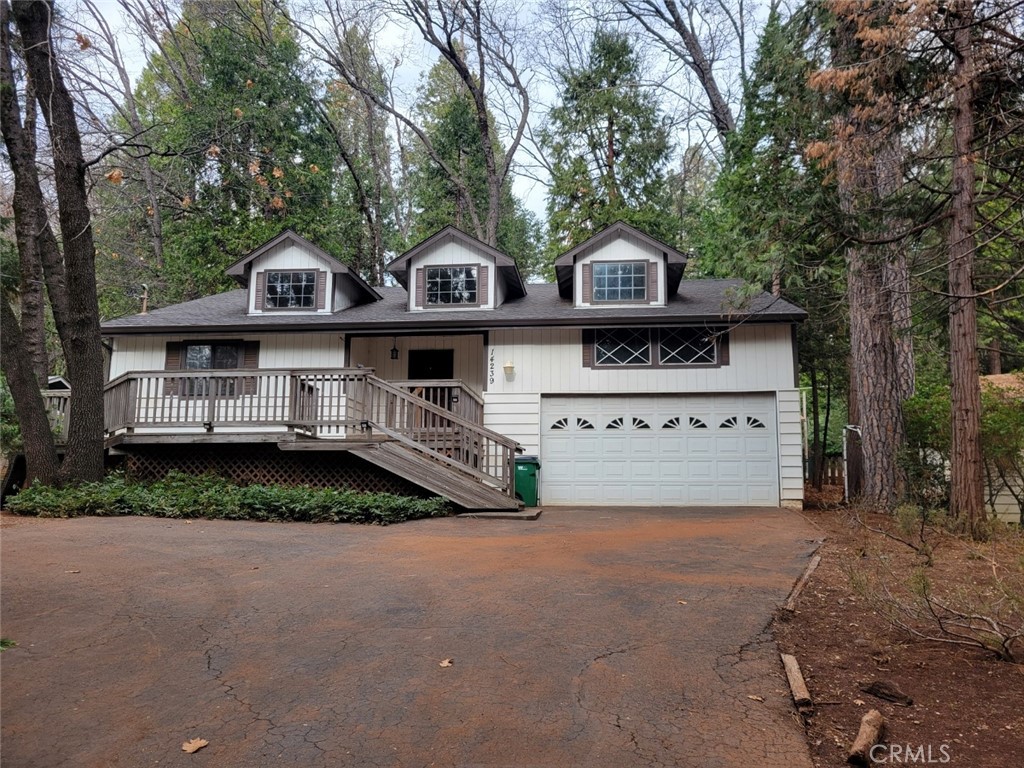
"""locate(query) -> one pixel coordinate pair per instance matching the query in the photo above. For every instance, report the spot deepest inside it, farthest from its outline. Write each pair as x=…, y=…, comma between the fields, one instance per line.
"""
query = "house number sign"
x=490, y=367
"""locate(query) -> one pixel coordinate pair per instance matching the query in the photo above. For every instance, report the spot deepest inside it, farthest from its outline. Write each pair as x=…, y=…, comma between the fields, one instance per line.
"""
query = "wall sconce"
x=509, y=367
x=394, y=348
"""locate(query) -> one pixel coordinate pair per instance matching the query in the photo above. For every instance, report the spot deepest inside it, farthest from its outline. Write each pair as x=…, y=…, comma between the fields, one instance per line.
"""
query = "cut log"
x=790, y=604
x=872, y=726
x=801, y=696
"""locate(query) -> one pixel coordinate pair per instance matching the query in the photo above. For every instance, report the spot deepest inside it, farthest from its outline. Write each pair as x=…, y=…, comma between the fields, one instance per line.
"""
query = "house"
x=632, y=385
x=1004, y=479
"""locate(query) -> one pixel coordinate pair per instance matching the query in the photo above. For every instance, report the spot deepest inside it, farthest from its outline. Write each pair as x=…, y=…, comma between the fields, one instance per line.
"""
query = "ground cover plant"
x=185, y=496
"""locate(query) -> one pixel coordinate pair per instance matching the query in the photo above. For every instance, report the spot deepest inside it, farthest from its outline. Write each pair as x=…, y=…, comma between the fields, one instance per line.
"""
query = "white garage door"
x=659, y=449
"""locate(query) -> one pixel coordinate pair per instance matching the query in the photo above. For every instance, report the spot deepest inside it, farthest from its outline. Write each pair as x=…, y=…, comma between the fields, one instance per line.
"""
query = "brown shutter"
x=723, y=348
x=421, y=289
x=481, y=285
x=588, y=348
x=588, y=284
x=321, y=290
x=652, y=282
x=261, y=289
x=173, y=361
x=251, y=362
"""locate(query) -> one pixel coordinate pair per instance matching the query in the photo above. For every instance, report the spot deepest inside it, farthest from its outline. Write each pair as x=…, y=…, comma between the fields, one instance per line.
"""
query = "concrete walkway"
x=587, y=638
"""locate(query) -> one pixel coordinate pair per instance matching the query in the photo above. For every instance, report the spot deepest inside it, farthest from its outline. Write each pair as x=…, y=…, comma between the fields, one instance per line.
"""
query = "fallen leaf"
x=237, y=113
x=193, y=745
x=115, y=176
x=682, y=602
x=72, y=571
x=755, y=698
x=446, y=663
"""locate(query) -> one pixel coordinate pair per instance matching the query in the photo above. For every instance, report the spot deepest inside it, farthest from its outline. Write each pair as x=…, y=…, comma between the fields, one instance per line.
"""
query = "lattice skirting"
x=266, y=465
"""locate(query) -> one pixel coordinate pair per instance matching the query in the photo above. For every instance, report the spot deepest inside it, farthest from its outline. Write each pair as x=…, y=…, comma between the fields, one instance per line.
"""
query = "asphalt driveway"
x=587, y=638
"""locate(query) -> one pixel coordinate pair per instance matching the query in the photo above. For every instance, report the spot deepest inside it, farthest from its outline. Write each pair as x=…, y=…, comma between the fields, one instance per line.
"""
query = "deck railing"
x=57, y=404
x=452, y=395
x=335, y=403
x=428, y=427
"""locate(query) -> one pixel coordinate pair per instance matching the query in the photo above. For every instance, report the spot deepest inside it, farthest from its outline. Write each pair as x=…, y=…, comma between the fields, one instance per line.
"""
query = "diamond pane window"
x=622, y=346
x=620, y=281
x=687, y=346
x=451, y=285
x=290, y=290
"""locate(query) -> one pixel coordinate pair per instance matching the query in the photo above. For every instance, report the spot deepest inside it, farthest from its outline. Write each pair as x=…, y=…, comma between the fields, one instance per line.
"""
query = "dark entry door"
x=431, y=363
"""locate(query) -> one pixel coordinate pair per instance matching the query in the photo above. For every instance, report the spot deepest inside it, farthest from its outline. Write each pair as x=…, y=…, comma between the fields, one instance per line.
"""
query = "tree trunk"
x=879, y=394
x=966, y=476
x=80, y=334
x=817, y=454
x=40, y=451
x=995, y=357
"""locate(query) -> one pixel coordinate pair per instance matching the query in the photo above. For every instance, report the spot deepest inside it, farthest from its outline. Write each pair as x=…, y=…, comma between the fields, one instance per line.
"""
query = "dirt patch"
x=967, y=705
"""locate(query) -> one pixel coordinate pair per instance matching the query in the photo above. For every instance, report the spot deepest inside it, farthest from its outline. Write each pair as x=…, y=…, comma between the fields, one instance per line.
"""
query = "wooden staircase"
x=416, y=437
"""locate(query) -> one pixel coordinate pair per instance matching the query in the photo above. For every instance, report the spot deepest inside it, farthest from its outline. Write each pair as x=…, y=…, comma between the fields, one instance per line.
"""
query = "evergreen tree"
x=608, y=145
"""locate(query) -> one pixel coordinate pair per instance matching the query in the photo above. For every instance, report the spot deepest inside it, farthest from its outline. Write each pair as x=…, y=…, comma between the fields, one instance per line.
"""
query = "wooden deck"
x=427, y=432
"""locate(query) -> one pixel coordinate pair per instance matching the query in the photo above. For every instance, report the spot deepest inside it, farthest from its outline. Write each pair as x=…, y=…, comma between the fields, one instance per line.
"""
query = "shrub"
x=213, y=498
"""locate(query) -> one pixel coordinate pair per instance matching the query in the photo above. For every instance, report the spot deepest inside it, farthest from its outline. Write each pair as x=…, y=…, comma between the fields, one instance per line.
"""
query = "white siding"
x=345, y=292
x=1004, y=505
x=791, y=468
x=447, y=254
x=623, y=248
x=289, y=351
x=286, y=256
x=550, y=361
x=516, y=416
x=375, y=352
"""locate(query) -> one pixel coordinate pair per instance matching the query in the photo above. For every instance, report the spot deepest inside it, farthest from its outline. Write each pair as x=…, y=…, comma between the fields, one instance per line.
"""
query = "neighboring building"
x=632, y=385
x=1004, y=494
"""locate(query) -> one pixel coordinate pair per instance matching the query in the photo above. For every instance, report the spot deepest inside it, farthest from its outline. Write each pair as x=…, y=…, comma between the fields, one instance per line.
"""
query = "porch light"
x=394, y=348
x=509, y=367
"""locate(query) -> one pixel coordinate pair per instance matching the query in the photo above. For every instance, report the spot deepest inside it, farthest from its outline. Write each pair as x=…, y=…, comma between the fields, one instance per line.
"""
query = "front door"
x=431, y=364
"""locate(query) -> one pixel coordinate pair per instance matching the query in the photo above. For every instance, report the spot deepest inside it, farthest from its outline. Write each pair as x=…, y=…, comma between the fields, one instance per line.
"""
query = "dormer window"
x=620, y=281
x=291, y=290
x=452, y=285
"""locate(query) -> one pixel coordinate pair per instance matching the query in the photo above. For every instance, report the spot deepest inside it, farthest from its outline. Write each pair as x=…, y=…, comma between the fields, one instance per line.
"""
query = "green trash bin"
x=527, y=480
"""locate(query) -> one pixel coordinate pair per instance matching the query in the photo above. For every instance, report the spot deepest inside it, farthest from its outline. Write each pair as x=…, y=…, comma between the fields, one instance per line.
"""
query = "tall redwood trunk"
x=966, y=475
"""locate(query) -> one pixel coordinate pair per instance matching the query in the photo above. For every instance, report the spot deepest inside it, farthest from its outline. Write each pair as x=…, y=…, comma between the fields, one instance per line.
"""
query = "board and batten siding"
x=288, y=351
x=290, y=257
x=450, y=254
x=549, y=362
x=623, y=248
x=375, y=352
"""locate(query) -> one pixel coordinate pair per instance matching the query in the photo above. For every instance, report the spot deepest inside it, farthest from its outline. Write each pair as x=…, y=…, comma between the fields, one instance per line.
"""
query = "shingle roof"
x=698, y=301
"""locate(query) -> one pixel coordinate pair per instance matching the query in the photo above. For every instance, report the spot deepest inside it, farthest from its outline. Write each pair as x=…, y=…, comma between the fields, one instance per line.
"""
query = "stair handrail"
x=506, y=445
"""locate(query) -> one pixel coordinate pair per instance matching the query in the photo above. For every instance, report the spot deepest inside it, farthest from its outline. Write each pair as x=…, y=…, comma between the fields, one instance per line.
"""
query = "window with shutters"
x=208, y=357
x=451, y=285
x=656, y=347
x=619, y=281
x=290, y=290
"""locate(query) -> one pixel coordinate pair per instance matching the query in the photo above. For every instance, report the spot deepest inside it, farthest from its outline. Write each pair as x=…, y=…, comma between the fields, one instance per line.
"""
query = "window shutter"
x=588, y=348
x=723, y=348
x=588, y=284
x=652, y=282
x=482, y=285
x=421, y=289
x=261, y=289
x=321, y=290
x=251, y=362
x=173, y=361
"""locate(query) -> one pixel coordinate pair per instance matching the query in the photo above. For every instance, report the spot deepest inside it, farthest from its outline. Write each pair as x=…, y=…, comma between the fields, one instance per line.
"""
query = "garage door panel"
x=660, y=449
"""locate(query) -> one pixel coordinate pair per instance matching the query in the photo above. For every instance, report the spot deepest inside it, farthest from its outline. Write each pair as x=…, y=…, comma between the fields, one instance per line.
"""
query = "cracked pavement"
x=596, y=637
